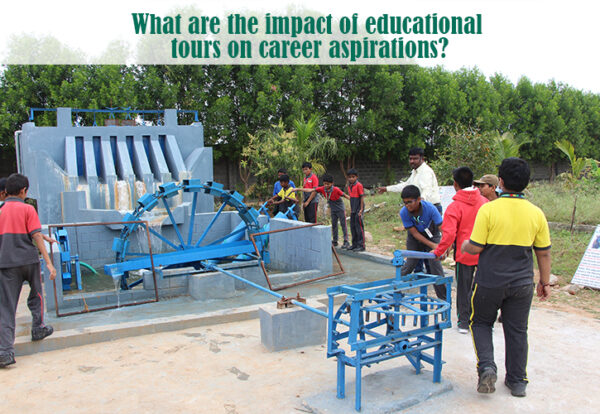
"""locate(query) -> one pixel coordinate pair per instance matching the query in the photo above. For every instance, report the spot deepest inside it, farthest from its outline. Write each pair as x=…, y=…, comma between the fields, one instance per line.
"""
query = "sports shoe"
x=7, y=359
x=463, y=331
x=346, y=245
x=359, y=249
x=487, y=381
x=37, y=334
x=334, y=244
x=517, y=389
x=352, y=247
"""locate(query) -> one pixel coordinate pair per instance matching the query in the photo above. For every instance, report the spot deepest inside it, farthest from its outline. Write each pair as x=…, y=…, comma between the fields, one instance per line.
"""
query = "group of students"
x=493, y=235
x=286, y=202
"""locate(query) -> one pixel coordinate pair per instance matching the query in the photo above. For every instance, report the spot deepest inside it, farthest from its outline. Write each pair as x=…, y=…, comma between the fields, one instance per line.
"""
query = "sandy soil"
x=225, y=369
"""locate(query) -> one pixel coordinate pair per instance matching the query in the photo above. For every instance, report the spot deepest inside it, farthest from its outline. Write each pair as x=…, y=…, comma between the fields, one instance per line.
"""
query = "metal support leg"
x=341, y=379
x=437, y=357
x=358, y=384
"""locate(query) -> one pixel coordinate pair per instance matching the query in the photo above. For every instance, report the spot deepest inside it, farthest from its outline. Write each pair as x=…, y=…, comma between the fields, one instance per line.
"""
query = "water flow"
x=117, y=282
x=122, y=196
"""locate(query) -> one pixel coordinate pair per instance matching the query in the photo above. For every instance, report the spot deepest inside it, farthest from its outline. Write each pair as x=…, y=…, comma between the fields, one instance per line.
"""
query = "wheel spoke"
x=164, y=239
x=192, y=216
x=210, y=224
x=174, y=224
x=243, y=229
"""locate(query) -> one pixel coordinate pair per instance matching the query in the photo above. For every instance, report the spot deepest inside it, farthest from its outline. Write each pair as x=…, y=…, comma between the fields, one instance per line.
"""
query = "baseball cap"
x=490, y=179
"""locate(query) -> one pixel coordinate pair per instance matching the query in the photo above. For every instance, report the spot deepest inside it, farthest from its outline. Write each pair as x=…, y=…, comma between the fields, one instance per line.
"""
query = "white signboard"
x=588, y=272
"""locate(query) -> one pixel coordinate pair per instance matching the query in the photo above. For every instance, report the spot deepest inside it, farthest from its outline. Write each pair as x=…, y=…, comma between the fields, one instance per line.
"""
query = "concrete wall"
x=68, y=158
x=303, y=249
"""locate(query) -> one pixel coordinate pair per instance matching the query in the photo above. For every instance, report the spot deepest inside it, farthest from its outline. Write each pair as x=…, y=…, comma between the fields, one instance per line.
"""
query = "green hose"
x=88, y=266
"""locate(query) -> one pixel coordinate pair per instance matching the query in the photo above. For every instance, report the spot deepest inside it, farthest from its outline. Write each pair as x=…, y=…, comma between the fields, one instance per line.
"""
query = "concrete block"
x=212, y=285
x=291, y=327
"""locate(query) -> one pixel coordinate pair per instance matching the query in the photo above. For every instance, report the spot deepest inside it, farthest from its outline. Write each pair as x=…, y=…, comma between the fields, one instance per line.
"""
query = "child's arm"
x=345, y=195
x=310, y=198
x=420, y=238
x=38, y=239
x=362, y=206
x=305, y=190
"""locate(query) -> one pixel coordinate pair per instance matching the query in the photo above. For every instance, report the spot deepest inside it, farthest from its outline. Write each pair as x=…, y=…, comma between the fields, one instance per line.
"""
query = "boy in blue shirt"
x=417, y=216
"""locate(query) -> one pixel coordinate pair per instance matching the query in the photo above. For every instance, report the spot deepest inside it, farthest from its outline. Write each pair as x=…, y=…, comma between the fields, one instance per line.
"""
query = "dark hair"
x=416, y=151
x=515, y=173
x=463, y=177
x=284, y=178
x=2, y=184
x=352, y=171
x=410, y=191
x=15, y=183
x=327, y=178
x=282, y=170
x=306, y=164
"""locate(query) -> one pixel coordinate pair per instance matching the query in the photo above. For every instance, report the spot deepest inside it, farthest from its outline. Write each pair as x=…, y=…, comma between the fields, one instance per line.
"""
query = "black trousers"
x=434, y=267
x=11, y=282
x=515, y=303
x=464, y=286
x=310, y=212
x=357, y=229
x=341, y=217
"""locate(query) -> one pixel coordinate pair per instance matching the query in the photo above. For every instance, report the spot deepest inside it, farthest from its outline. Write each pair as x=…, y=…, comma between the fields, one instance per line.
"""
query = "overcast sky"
x=542, y=40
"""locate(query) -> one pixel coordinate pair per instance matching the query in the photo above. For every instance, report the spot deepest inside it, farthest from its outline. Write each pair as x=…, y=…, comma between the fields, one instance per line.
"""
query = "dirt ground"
x=225, y=369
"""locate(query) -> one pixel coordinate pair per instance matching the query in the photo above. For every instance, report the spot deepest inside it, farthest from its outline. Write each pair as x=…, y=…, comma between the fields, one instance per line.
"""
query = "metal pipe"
x=270, y=292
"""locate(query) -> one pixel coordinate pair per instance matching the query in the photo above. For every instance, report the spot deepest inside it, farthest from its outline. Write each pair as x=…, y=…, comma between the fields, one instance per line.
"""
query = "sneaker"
x=37, y=334
x=359, y=249
x=334, y=244
x=487, y=381
x=346, y=245
x=463, y=331
x=7, y=359
x=517, y=389
x=352, y=247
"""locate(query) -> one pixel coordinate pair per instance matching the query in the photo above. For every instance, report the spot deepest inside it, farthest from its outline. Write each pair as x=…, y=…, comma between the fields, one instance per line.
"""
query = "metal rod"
x=192, y=216
x=210, y=224
x=175, y=227
x=270, y=292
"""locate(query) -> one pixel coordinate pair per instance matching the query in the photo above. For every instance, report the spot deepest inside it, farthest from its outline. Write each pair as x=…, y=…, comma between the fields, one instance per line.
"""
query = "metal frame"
x=394, y=304
x=87, y=310
x=112, y=111
x=263, y=233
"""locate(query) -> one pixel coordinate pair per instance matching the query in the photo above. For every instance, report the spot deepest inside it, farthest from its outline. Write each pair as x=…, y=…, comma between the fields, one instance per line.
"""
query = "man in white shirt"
x=422, y=176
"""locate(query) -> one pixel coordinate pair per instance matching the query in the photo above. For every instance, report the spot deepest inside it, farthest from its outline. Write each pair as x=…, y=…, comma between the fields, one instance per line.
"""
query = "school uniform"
x=310, y=211
x=357, y=228
x=337, y=209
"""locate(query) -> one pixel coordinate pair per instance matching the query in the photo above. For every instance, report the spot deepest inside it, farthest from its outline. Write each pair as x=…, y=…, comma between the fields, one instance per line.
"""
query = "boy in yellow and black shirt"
x=504, y=234
x=286, y=198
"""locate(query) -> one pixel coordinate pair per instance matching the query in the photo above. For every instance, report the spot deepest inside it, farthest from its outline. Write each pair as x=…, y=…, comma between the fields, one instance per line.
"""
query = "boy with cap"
x=488, y=185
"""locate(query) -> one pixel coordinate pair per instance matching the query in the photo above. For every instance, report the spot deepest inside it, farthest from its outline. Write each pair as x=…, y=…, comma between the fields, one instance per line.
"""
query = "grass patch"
x=556, y=200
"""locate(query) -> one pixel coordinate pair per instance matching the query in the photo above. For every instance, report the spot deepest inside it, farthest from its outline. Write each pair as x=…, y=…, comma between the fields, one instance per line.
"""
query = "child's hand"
x=52, y=271
x=305, y=204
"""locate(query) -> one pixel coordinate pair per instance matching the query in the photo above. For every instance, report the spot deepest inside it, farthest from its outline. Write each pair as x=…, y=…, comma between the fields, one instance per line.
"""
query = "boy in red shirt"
x=459, y=219
x=333, y=195
x=20, y=228
x=357, y=209
x=311, y=200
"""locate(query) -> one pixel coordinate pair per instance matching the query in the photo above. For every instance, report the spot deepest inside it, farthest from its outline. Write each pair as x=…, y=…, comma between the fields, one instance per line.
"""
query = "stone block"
x=212, y=285
x=293, y=327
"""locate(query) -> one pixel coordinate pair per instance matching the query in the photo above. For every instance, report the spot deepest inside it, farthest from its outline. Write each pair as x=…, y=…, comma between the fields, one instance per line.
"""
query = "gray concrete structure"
x=291, y=327
x=112, y=166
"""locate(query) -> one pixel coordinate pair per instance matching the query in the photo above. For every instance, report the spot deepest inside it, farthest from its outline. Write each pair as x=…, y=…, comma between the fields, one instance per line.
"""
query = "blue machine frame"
x=409, y=321
x=188, y=251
